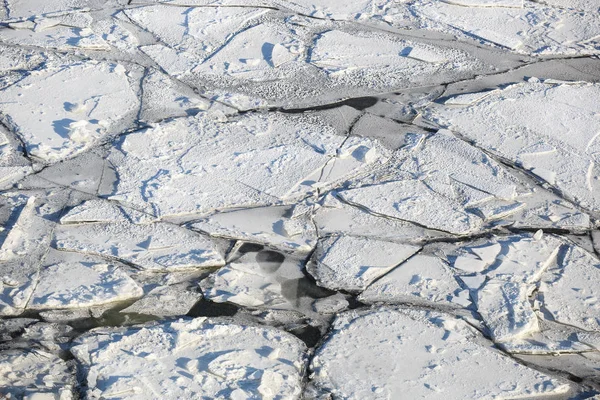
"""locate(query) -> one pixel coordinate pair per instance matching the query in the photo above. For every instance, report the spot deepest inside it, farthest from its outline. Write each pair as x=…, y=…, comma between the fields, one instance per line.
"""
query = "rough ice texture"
x=352, y=263
x=199, y=165
x=192, y=359
x=534, y=28
x=165, y=301
x=35, y=374
x=65, y=109
x=82, y=283
x=569, y=291
x=268, y=225
x=103, y=229
x=446, y=358
x=412, y=200
x=549, y=129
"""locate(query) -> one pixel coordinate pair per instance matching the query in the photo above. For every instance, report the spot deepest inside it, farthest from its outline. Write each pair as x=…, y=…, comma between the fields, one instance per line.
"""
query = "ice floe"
x=413, y=353
x=199, y=165
x=352, y=263
x=531, y=28
x=420, y=280
x=88, y=101
x=548, y=129
x=192, y=359
x=35, y=374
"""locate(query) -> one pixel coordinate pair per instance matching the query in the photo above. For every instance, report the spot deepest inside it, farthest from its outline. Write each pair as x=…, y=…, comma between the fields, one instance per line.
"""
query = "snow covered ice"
x=299, y=199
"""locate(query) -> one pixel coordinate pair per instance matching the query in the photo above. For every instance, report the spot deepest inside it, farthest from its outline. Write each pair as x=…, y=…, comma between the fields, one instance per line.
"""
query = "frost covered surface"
x=445, y=357
x=191, y=359
x=308, y=199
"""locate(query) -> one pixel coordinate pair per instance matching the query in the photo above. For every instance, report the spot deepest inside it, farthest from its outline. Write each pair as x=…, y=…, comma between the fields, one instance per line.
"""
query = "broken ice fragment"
x=192, y=359
x=83, y=282
x=365, y=357
x=506, y=310
x=158, y=247
x=570, y=293
x=552, y=130
x=352, y=263
x=49, y=127
x=421, y=279
x=412, y=200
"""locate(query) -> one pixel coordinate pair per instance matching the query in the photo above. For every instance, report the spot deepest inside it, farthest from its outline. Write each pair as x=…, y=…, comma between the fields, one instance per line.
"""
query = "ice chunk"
x=562, y=116
x=58, y=33
x=82, y=281
x=338, y=52
x=535, y=28
x=13, y=166
x=21, y=254
x=158, y=247
x=262, y=278
x=93, y=211
x=87, y=101
x=487, y=3
x=366, y=356
x=413, y=201
x=421, y=279
x=506, y=310
x=192, y=359
x=195, y=32
x=199, y=165
x=35, y=374
x=339, y=218
x=569, y=293
x=166, y=301
x=352, y=263
x=267, y=225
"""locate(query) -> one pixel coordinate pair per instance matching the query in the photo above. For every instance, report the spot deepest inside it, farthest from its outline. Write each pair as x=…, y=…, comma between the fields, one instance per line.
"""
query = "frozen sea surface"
x=299, y=199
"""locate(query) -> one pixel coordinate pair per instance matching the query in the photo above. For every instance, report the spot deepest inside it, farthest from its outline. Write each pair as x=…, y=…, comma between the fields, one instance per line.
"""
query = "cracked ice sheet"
x=342, y=55
x=365, y=357
x=352, y=263
x=549, y=129
x=65, y=109
x=533, y=29
x=198, y=165
x=386, y=11
x=166, y=301
x=268, y=279
x=35, y=374
x=414, y=201
x=445, y=171
x=25, y=9
x=13, y=165
x=501, y=274
x=157, y=247
x=273, y=226
x=194, y=33
x=335, y=217
x=62, y=33
x=21, y=253
x=191, y=359
x=423, y=279
x=569, y=291
x=73, y=280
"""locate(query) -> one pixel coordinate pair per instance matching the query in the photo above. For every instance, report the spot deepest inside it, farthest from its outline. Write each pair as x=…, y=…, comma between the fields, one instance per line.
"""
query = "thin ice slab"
x=548, y=129
x=191, y=359
x=422, y=279
x=389, y=353
x=352, y=263
x=82, y=281
x=65, y=109
x=198, y=165
x=569, y=292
